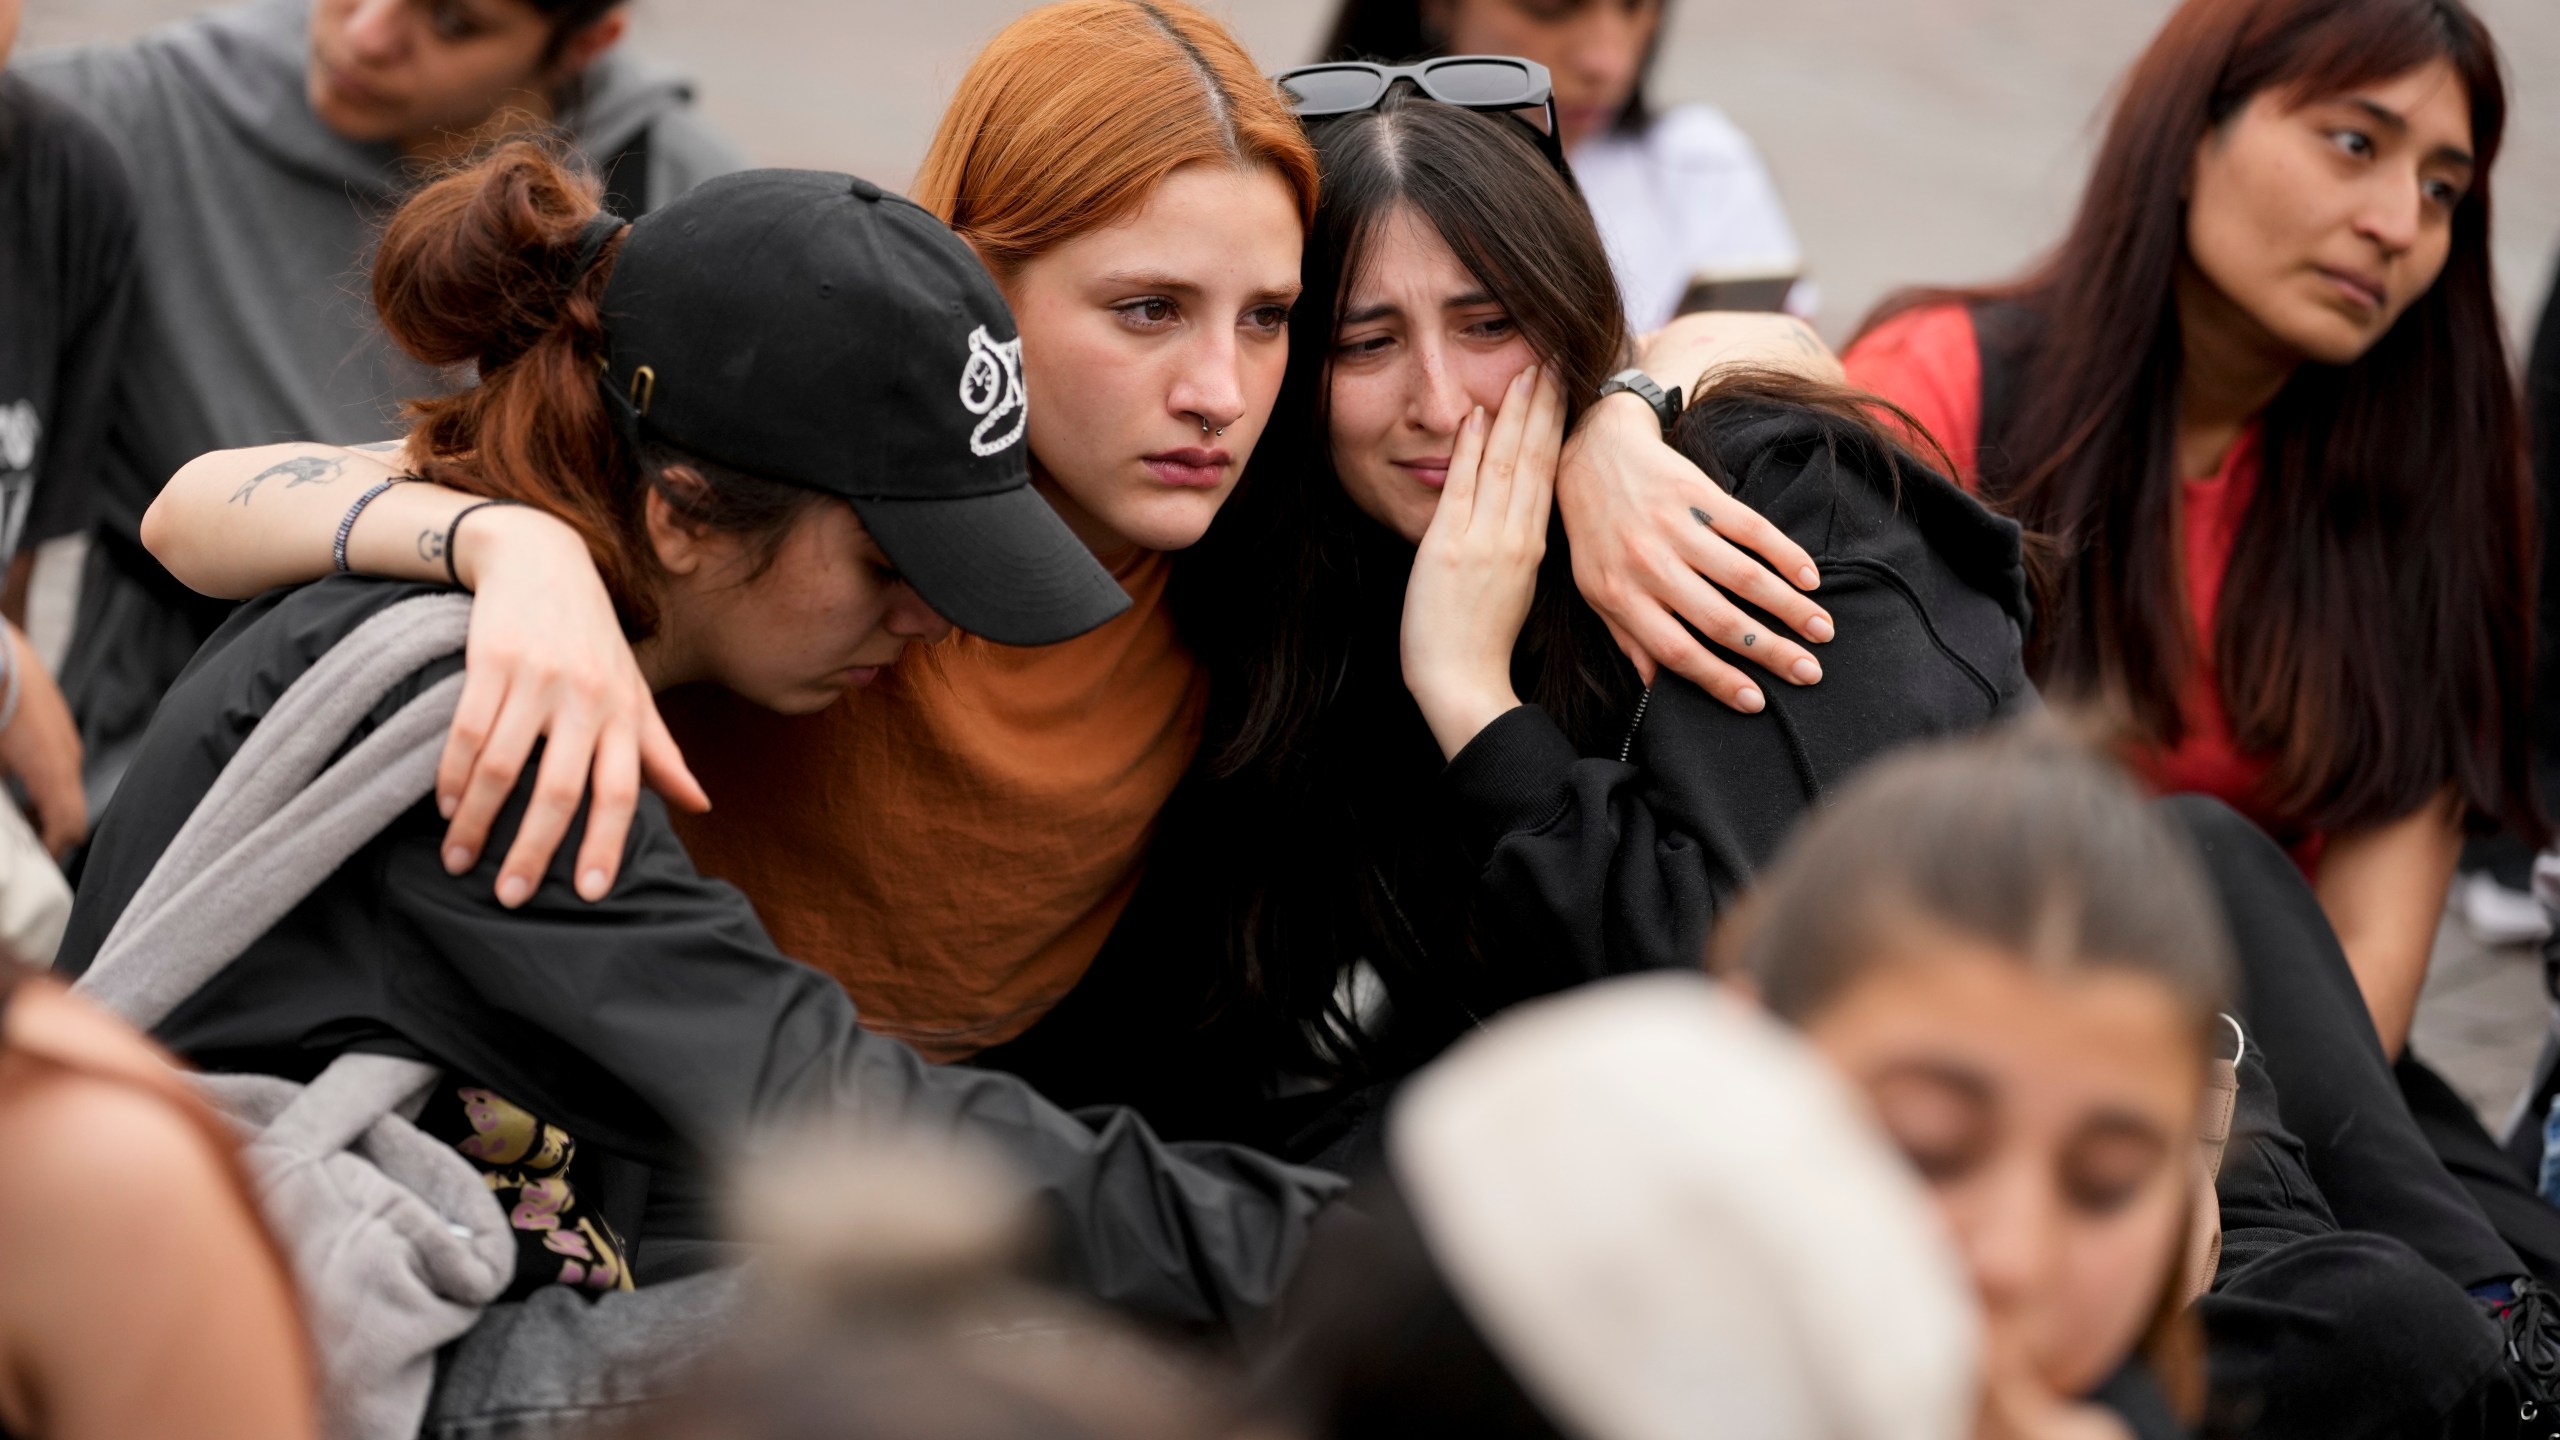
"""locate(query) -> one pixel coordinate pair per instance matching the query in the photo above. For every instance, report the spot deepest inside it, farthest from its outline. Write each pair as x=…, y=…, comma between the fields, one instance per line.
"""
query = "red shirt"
x=1927, y=362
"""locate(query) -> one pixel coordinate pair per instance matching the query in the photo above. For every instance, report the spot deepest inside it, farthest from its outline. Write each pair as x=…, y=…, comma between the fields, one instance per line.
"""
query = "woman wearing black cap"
x=712, y=438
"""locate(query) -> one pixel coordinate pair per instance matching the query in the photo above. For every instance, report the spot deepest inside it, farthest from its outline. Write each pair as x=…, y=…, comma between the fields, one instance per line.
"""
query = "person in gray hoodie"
x=265, y=145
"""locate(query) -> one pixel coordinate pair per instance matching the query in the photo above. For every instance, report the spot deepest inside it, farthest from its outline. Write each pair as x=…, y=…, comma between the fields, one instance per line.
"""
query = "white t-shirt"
x=1689, y=191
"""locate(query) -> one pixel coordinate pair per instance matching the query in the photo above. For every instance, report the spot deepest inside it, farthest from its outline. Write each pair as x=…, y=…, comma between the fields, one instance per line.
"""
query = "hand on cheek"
x=1476, y=570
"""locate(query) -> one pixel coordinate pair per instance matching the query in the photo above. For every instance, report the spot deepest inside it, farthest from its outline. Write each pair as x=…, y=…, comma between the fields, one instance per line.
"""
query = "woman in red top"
x=2259, y=403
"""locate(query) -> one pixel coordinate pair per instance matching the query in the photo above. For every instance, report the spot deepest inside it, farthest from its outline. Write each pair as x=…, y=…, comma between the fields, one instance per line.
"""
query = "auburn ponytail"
x=479, y=268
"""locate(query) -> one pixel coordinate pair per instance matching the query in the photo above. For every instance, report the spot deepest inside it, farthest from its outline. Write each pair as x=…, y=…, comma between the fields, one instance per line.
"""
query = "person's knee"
x=2343, y=1335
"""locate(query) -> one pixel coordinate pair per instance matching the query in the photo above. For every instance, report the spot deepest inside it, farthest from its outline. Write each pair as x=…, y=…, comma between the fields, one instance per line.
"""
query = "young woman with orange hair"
x=955, y=847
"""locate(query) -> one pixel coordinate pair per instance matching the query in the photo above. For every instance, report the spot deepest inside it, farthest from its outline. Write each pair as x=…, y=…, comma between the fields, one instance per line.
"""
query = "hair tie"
x=591, y=240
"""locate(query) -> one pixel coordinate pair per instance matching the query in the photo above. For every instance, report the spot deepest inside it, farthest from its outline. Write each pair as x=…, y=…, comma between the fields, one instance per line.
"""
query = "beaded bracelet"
x=347, y=526
x=453, y=533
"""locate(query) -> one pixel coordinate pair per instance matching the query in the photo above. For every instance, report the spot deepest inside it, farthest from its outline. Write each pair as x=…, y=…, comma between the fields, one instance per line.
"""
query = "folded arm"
x=547, y=663
x=2384, y=891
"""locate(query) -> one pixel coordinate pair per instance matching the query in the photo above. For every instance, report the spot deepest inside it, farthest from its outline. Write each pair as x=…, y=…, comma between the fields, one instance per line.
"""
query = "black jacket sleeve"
x=660, y=1024
x=1600, y=866
x=670, y=989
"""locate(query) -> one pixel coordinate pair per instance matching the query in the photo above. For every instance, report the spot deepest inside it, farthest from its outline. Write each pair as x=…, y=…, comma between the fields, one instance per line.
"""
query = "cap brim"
x=1000, y=566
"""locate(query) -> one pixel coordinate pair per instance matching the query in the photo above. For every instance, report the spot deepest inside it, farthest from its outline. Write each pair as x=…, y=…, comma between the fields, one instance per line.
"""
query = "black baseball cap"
x=814, y=329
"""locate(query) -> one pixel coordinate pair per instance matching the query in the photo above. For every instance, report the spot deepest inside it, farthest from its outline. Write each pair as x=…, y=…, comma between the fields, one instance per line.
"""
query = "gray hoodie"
x=256, y=322
x=257, y=218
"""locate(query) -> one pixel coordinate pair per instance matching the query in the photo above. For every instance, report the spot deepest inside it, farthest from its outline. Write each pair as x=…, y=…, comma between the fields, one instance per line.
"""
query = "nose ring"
x=1204, y=429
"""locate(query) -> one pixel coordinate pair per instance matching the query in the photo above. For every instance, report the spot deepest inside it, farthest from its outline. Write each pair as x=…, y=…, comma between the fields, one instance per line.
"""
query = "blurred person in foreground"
x=267, y=144
x=140, y=1295
x=2025, y=993
x=1675, y=191
x=892, y=1304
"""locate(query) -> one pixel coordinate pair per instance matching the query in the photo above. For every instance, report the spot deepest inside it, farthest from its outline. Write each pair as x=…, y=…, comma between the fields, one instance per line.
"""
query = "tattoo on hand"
x=1749, y=640
x=1701, y=517
x=300, y=470
x=431, y=546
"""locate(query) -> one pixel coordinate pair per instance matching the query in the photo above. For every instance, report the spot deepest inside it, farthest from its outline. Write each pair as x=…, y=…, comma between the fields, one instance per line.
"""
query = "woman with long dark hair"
x=1385, y=844
x=2260, y=404
x=1677, y=191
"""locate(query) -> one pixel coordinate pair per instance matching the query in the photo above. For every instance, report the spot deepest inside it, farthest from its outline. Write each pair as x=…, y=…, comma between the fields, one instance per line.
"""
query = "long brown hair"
x=2375, y=634
x=1073, y=114
x=479, y=268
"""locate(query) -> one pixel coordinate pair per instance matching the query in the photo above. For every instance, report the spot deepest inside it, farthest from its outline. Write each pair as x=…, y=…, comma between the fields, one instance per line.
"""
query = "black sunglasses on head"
x=1497, y=84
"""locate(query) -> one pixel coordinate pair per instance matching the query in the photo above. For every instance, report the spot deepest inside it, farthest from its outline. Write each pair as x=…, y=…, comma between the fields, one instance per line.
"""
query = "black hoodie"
x=1600, y=866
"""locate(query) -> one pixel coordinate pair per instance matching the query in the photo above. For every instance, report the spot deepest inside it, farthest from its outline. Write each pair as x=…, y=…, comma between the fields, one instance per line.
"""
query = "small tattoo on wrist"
x=431, y=546
x=1701, y=517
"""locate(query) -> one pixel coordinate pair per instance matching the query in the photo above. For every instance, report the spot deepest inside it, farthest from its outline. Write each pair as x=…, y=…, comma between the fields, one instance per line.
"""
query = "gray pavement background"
x=1915, y=140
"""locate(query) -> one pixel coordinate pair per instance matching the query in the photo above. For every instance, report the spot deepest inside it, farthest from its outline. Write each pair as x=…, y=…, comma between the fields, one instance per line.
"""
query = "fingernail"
x=591, y=884
x=444, y=806
x=1807, y=672
x=512, y=891
x=1751, y=700
x=1809, y=578
x=456, y=859
x=1819, y=627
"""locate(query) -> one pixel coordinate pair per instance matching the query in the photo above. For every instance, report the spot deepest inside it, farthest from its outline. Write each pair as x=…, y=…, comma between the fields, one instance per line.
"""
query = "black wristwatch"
x=1666, y=405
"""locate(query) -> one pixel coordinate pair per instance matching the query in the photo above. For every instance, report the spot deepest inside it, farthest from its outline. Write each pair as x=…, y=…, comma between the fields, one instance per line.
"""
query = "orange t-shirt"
x=1928, y=362
x=955, y=843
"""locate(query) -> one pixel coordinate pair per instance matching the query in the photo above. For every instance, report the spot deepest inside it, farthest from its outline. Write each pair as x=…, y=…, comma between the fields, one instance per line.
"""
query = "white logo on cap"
x=991, y=386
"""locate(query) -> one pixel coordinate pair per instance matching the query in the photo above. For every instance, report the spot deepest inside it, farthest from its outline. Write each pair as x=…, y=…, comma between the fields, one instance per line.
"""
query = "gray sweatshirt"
x=255, y=321
x=257, y=219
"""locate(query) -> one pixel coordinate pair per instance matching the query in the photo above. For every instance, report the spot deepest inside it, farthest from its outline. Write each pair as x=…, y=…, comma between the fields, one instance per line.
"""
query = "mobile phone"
x=1745, y=285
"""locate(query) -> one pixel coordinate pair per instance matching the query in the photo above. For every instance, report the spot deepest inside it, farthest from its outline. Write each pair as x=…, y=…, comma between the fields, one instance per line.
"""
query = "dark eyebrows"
x=1467, y=301
x=2398, y=124
x=2383, y=115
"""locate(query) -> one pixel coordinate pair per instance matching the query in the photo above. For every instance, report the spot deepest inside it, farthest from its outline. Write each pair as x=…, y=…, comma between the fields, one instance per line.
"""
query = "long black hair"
x=1315, y=759
x=2374, y=638
x=1395, y=30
